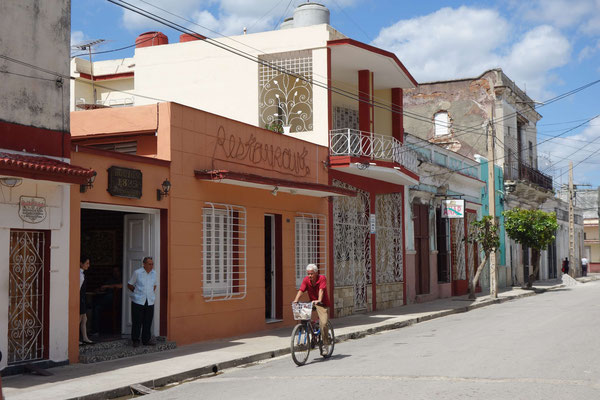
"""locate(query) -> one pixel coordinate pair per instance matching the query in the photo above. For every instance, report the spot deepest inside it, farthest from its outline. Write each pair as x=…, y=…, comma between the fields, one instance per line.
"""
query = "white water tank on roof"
x=287, y=23
x=308, y=14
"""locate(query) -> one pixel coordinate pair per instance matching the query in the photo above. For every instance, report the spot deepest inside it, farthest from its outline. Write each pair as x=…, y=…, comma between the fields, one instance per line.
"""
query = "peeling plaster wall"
x=468, y=103
x=471, y=104
x=40, y=36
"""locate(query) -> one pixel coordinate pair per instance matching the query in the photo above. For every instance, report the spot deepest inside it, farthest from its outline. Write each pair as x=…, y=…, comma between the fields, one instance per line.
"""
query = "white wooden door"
x=137, y=244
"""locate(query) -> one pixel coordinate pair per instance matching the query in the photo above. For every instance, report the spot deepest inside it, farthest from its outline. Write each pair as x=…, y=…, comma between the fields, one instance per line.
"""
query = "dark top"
x=82, y=299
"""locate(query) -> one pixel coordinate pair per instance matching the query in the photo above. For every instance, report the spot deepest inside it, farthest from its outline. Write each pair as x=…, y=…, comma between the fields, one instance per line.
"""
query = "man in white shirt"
x=584, y=266
x=143, y=286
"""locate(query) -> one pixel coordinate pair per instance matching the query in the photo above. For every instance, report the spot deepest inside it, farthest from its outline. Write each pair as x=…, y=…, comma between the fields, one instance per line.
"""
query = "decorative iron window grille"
x=352, y=244
x=457, y=227
x=285, y=100
x=345, y=118
x=472, y=256
x=390, y=249
x=311, y=244
x=224, y=252
x=26, y=291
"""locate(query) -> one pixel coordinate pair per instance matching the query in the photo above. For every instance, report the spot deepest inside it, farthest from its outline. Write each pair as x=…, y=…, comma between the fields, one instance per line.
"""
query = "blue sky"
x=548, y=47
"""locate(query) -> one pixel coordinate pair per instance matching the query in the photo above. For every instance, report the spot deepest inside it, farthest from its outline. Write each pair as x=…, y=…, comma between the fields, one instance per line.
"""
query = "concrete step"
x=121, y=348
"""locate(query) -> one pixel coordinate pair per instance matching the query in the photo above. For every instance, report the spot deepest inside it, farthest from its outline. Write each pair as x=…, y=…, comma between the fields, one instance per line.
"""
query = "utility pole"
x=571, y=222
x=492, y=202
x=598, y=219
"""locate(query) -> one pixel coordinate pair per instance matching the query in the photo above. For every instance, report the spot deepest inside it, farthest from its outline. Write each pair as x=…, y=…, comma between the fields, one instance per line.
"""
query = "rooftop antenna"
x=88, y=46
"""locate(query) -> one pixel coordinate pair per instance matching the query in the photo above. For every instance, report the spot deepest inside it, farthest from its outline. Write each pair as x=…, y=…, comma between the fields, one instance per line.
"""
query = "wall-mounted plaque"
x=125, y=182
x=32, y=209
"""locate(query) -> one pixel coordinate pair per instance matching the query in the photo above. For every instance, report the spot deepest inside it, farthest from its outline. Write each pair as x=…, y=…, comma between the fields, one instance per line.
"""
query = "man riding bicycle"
x=316, y=286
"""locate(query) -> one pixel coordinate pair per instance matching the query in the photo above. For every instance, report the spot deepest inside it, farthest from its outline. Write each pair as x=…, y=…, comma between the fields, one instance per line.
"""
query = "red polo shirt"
x=313, y=290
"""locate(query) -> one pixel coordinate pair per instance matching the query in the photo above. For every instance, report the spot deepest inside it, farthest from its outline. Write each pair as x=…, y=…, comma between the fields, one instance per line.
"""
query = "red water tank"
x=151, y=39
x=186, y=37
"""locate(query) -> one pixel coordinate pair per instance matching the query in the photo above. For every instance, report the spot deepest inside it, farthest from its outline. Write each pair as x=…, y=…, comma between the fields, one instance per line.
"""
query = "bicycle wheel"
x=300, y=345
x=327, y=351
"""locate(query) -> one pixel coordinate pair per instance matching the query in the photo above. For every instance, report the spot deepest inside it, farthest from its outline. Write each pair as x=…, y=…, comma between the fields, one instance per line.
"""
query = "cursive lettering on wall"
x=251, y=150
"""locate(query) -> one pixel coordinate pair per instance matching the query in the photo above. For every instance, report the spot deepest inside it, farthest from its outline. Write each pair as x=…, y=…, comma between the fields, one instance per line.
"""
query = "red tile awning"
x=281, y=185
x=42, y=168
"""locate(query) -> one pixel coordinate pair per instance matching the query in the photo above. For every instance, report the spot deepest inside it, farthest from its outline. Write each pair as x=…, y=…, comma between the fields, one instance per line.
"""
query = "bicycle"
x=307, y=335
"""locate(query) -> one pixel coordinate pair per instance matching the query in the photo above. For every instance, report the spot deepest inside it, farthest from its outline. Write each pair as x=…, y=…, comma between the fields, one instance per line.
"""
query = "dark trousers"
x=141, y=319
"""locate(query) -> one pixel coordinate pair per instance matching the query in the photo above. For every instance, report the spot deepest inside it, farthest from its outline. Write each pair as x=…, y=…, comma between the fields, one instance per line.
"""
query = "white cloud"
x=580, y=14
x=77, y=37
x=583, y=149
x=588, y=51
x=530, y=60
x=447, y=44
x=464, y=42
x=136, y=22
x=227, y=17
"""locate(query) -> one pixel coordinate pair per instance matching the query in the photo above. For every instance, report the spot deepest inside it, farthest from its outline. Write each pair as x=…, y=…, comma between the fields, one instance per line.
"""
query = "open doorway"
x=273, y=268
x=115, y=241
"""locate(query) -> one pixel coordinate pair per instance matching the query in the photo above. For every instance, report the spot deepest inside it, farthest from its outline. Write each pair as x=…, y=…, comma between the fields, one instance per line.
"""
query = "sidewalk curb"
x=214, y=368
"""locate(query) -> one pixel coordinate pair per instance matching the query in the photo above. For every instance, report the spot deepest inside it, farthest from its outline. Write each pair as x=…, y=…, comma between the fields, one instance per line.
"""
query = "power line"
x=265, y=14
x=352, y=20
x=342, y=92
x=255, y=59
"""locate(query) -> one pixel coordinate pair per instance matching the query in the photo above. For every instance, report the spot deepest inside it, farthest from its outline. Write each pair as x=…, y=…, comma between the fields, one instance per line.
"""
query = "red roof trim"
x=43, y=168
x=106, y=77
x=345, y=161
x=216, y=175
x=373, y=49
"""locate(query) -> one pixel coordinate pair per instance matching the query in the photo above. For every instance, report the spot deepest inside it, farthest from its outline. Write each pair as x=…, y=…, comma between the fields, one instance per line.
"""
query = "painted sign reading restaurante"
x=249, y=150
x=32, y=209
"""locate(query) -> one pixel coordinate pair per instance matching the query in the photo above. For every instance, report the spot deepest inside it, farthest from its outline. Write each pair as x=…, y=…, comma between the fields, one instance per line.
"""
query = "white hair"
x=311, y=267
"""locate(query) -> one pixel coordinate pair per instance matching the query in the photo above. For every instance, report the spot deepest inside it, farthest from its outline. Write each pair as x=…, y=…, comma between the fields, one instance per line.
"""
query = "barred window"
x=311, y=244
x=224, y=252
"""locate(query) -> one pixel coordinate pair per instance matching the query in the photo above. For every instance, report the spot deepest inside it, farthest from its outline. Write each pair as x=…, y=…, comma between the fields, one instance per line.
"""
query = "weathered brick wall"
x=344, y=301
x=390, y=295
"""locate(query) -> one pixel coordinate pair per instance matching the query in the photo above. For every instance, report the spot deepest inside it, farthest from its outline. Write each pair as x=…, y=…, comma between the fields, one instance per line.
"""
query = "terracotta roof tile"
x=40, y=167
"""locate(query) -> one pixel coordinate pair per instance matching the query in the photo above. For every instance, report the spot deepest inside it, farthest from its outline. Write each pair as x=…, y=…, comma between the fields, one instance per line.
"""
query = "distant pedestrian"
x=584, y=266
x=143, y=286
x=565, y=266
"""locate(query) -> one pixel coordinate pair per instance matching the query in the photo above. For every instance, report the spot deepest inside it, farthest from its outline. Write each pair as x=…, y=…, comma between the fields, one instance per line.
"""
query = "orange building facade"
x=246, y=211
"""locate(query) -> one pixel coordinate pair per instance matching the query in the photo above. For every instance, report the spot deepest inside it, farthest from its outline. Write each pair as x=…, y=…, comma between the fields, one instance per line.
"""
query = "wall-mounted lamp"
x=275, y=190
x=10, y=182
x=90, y=183
x=166, y=187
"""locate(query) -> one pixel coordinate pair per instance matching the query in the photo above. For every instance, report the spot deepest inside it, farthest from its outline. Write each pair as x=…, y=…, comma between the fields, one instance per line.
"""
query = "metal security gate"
x=352, y=244
x=389, y=241
x=28, y=308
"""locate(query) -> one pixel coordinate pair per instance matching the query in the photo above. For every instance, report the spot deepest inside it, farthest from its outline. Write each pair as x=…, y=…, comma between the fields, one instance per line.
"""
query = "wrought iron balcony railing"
x=355, y=143
x=527, y=173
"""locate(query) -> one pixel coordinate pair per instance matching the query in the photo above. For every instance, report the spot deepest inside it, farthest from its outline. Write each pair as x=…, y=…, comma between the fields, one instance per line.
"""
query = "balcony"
x=532, y=175
x=382, y=155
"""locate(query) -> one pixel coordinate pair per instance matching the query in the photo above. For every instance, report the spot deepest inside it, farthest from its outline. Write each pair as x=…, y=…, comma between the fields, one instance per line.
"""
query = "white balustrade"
x=356, y=143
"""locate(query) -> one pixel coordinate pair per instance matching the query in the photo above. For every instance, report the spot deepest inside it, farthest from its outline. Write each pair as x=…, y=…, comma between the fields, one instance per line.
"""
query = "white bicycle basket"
x=302, y=311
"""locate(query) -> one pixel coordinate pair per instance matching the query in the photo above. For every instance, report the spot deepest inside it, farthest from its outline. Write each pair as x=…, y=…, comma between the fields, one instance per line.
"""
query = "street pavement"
x=114, y=378
x=540, y=347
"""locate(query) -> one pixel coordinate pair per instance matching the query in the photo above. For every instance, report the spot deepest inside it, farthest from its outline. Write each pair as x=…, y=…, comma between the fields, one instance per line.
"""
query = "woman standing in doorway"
x=84, y=265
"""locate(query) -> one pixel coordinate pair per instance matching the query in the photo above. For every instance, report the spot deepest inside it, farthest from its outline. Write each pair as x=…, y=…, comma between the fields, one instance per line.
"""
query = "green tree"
x=485, y=234
x=531, y=228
